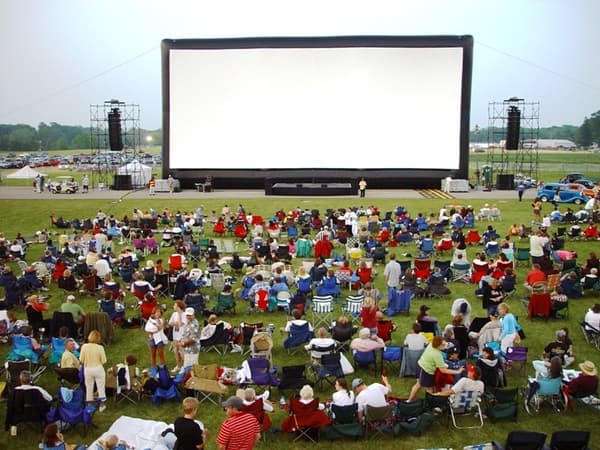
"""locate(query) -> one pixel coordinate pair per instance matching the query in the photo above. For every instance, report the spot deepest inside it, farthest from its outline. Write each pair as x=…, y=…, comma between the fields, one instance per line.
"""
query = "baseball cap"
x=234, y=402
x=356, y=382
x=190, y=312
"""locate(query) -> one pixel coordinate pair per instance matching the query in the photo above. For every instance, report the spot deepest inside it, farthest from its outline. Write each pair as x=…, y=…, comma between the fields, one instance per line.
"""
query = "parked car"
x=582, y=188
x=566, y=195
x=572, y=177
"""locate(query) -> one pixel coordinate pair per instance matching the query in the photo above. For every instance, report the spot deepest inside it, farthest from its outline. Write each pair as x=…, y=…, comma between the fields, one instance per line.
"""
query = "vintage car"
x=565, y=195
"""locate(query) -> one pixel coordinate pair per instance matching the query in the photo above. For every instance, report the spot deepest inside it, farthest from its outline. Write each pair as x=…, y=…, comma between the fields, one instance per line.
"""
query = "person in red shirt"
x=240, y=431
x=368, y=315
x=587, y=382
x=534, y=276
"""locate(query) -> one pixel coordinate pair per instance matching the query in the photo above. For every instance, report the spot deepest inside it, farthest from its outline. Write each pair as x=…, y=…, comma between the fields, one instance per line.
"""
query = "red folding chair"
x=422, y=268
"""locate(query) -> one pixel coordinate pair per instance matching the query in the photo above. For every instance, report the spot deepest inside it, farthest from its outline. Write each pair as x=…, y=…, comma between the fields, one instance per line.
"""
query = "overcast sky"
x=61, y=56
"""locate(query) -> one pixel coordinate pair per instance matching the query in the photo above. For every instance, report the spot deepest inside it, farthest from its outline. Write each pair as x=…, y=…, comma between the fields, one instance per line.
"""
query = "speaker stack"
x=513, y=128
x=505, y=182
x=115, y=137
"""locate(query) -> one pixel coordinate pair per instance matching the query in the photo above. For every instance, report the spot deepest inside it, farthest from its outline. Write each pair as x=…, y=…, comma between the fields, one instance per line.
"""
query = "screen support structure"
x=104, y=161
x=524, y=160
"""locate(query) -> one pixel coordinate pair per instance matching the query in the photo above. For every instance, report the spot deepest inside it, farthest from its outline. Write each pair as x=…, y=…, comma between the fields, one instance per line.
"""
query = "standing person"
x=93, y=358
x=362, y=187
x=151, y=185
x=520, y=190
x=170, y=183
x=190, y=433
x=177, y=321
x=509, y=327
x=156, y=336
x=240, y=431
x=392, y=273
x=430, y=361
x=190, y=339
x=537, y=210
x=85, y=184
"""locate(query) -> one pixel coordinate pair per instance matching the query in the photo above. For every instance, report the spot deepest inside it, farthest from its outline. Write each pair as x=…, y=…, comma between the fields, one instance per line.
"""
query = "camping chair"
x=463, y=404
x=72, y=409
x=217, y=342
x=26, y=406
x=62, y=319
x=203, y=381
x=283, y=301
x=461, y=272
x=322, y=311
x=298, y=335
x=248, y=330
x=167, y=388
x=516, y=355
x=524, y=440
x=68, y=377
x=293, y=378
x=217, y=281
x=502, y=404
x=261, y=374
x=548, y=390
x=422, y=268
x=98, y=321
x=261, y=345
x=225, y=303
x=570, y=440
x=365, y=359
x=522, y=257
x=305, y=420
x=256, y=409
x=539, y=305
x=196, y=301
x=22, y=349
x=14, y=369
x=590, y=334
x=353, y=306
x=378, y=420
x=478, y=272
x=125, y=383
x=412, y=417
x=391, y=357
x=398, y=301
x=408, y=367
x=345, y=423
x=328, y=368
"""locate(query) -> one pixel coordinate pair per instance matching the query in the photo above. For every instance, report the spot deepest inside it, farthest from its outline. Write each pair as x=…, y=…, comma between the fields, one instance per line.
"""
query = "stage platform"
x=310, y=189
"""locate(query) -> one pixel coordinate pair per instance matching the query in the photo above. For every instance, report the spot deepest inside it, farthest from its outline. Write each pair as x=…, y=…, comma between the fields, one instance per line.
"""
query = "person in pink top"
x=366, y=341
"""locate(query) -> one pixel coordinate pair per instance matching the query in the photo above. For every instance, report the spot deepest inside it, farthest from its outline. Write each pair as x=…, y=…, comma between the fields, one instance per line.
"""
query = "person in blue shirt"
x=509, y=327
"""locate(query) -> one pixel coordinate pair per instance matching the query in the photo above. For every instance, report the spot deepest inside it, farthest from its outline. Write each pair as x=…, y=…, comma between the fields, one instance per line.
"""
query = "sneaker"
x=102, y=407
x=175, y=369
x=236, y=349
x=44, y=288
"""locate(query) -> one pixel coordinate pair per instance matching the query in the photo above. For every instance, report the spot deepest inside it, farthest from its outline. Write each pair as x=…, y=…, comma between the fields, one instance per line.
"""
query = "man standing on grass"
x=240, y=431
x=392, y=273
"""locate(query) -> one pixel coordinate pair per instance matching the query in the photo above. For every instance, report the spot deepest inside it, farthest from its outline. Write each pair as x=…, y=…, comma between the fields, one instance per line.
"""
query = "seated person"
x=369, y=290
x=490, y=332
x=329, y=285
x=415, y=340
x=559, y=300
x=251, y=403
x=306, y=412
x=535, y=276
x=571, y=286
x=471, y=383
x=342, y=329
x=366, y=342
x=374, y=394
x=490, y=368
x=436, y=284
x=75, y=309
x=587, y=382
x=589, y=280
x=69, y=359
x=211, y=326
x=297, y=321
x=559, y=347
x=592, y=318
x=549, y=379
x=508, y=280
x=319, y=342
x=68, y=282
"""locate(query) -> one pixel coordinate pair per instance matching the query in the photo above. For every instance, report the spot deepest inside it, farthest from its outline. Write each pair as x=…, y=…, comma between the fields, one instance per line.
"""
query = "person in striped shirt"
x=240, y=431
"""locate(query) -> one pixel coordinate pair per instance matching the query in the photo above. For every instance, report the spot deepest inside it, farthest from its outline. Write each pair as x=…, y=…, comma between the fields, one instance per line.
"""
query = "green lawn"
x=31, y=215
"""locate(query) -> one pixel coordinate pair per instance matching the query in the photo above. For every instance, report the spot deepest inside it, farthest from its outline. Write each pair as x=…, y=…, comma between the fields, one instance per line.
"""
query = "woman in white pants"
x=93, y=358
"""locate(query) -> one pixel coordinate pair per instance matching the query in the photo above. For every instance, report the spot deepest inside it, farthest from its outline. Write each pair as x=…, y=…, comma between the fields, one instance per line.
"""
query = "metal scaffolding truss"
x=104, y=161
x=524, y=160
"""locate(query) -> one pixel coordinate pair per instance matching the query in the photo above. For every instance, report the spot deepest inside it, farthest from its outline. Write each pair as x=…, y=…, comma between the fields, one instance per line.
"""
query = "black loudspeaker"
x=115, y=138
x=513, y=128
x=122, y=183
x=505, y=182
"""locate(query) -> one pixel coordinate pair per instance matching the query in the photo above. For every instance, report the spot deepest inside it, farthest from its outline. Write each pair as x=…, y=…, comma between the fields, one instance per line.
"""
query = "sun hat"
x=357, y=382
x=589, y=368
x=190, y=312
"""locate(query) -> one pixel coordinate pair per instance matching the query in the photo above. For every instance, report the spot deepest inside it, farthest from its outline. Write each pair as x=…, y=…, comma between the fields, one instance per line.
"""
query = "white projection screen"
x=329, y=108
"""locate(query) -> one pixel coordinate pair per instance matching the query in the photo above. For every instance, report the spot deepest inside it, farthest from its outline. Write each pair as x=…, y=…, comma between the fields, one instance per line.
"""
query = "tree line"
x=52, y=136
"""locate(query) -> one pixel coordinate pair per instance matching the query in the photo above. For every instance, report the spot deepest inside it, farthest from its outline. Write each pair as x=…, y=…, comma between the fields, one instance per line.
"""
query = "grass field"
x=31, y=215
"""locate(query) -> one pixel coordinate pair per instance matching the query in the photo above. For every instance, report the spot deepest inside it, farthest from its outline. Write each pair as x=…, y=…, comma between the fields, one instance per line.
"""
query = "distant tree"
x=583, y=137
x=23, y=138
x=81, y=141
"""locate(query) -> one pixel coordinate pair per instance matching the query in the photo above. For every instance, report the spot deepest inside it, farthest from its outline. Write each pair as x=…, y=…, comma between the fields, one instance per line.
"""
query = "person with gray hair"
x=559, y=347
x=366, y=342
x=25, y=380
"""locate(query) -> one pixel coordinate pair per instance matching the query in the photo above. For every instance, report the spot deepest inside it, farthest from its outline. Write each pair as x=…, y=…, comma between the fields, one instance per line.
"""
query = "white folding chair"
x=322, y=311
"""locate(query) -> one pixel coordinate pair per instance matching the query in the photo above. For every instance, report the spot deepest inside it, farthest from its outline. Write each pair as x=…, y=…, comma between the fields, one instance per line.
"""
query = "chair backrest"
x=422, y=264
x=368, y=357
x=427, y=326
x=549, y=386
x=322, y=304
x=465, y=400
x=518, y=354
x=525, y=440
x=345, y=414
x=378, y=413
x=354, y=303
x=570, y=440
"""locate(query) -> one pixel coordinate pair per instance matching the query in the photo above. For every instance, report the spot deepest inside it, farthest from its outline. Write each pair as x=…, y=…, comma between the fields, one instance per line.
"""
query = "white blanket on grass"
x=140, y=434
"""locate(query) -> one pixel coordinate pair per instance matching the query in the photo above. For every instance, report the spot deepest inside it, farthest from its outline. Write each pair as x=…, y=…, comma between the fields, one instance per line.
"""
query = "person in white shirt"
x=321, y=341
x=537, y=242
x=392, y=273
x=297, y=320
x=472, y=383
x=343, y=395
x=25, y=378
x=415, y=340
x=371, y=395
x=592, y=317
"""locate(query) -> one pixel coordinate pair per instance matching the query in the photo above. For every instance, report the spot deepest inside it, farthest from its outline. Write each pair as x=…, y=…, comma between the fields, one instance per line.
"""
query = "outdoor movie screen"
x=315, y=103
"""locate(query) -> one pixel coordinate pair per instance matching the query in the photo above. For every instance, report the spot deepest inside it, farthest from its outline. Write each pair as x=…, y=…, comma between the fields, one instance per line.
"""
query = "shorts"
x=425, y=379
x=153, y=344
